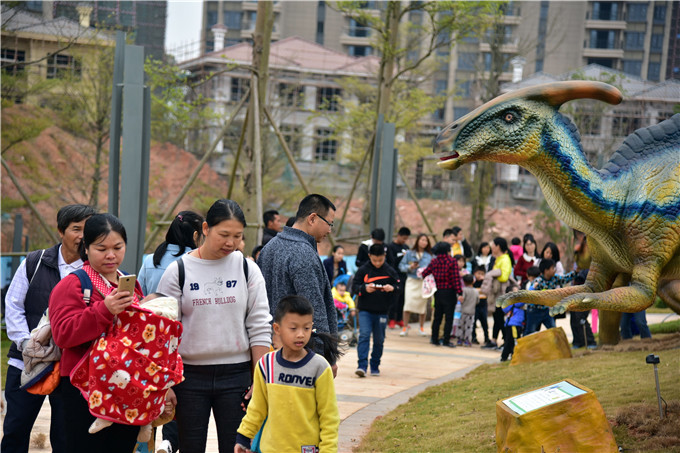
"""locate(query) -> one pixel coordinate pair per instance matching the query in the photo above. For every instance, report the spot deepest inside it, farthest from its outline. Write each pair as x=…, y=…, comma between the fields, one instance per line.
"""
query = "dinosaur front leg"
x=548, y=297
x=599, y=279
x=630, y=299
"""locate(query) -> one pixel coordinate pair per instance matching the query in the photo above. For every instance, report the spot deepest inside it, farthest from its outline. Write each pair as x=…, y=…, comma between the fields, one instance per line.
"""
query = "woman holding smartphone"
x=225, y=314
x=76, y=323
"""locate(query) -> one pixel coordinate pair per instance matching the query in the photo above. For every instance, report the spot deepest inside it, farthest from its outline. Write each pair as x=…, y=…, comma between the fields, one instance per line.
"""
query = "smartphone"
x=243, y=398
x=127, y=283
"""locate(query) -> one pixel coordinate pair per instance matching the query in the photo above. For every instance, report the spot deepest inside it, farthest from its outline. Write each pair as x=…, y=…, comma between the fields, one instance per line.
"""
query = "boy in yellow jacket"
x=293, y=390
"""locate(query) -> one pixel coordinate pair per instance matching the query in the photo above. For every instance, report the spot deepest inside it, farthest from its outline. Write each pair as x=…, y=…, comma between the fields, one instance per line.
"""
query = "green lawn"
x=460, y=416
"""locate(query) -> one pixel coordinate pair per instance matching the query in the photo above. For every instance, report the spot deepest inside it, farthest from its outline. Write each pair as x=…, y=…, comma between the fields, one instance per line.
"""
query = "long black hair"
x=224, y=209
x=99, y=225
x=181, y=233
x=503, y=245
x=554, y=249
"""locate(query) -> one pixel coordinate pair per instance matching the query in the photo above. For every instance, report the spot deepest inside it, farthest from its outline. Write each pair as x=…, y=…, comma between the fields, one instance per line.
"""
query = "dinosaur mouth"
x=452, y=156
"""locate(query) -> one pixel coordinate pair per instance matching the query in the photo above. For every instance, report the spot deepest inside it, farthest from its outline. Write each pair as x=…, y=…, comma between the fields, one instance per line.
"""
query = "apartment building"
x=638, y=40
x=146, y=19
x=303, y=82
x=36, y=48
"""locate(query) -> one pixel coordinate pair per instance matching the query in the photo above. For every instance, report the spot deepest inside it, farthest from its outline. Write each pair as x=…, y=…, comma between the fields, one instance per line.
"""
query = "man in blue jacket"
x=290, y=264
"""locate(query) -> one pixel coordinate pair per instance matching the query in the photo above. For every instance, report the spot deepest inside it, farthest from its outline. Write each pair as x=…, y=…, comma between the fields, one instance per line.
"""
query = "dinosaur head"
x=508, y=128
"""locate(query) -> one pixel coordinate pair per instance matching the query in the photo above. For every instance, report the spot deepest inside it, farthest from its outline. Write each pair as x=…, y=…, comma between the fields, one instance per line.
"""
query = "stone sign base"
x=576, y=424
x=541, y=346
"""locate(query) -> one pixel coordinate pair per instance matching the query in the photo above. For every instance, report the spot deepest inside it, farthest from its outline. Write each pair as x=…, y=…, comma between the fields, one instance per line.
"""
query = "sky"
x=183, y=25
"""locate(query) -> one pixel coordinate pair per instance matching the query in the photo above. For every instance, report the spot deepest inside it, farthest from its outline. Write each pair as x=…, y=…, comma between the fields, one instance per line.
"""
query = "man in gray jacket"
x=291, y=265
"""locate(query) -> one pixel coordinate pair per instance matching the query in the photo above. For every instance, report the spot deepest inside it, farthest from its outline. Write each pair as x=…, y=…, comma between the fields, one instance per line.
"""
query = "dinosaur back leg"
x=669, y=292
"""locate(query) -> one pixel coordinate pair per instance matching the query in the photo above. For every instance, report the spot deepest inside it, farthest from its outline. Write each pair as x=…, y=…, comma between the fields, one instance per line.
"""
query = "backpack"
x=46, y=376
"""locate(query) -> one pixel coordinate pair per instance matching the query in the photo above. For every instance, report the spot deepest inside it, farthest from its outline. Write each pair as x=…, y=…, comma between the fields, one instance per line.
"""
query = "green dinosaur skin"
x=631, y=215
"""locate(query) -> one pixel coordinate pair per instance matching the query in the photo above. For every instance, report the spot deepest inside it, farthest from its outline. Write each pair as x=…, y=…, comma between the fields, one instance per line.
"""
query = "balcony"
x=602, y=53
x=606, y=24
x=511, y=46
x=250, y=5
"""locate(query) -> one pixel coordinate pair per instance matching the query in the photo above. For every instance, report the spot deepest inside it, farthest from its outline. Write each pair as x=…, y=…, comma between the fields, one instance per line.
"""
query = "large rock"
x=541, y=346
x=574, y=424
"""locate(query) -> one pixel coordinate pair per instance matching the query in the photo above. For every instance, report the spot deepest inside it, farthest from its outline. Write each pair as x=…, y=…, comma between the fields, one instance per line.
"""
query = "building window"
x=635, y=40
x=463, y=88
x=60, y=66
x=320, y=21
x=293, y=137
x=327, y=98
x=466, y=61
x=606, y=62
x=249, y=20
x=602, y=39
x=657, y=43
x=443, y=44
x=623, y=126
x=232, y=19
x=654, y=71
x=359, y=51
x=211, y=18
x=239, y=85
x=438, y=115
x=605, y=11
x=660, y=14
x=358, y=30
x=11, y=61
x=326, y=148
x=459, y=112
x=632, y=67
x=291, y=95
x=637, y=12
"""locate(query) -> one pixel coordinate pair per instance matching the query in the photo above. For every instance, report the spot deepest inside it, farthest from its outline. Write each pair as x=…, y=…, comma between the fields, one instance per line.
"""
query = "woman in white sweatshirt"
x=224, y=310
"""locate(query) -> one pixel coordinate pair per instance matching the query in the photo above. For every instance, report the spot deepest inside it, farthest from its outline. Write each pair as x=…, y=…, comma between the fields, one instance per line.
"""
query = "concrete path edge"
x=354, y=428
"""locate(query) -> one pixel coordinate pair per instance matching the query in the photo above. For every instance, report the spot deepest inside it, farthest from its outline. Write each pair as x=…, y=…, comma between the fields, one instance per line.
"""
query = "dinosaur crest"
x=645, y=142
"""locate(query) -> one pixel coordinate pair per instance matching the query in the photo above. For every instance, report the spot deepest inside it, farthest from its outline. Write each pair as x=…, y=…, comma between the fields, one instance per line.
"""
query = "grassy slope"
x=460, y=416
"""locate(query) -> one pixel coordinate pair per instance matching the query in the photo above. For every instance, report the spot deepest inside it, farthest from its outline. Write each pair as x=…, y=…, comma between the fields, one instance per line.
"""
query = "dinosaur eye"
x=509, y=117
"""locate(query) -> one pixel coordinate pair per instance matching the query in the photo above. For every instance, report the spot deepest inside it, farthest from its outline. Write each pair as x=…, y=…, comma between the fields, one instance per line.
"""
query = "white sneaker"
x=422, y=333
x=164, y=447
x=403, y=332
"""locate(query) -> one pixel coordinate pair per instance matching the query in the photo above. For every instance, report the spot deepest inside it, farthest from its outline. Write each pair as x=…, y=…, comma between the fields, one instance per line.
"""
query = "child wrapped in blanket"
x=130, y=368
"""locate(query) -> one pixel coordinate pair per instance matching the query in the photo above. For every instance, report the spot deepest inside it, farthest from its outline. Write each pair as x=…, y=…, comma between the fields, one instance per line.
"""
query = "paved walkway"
x=409, y=365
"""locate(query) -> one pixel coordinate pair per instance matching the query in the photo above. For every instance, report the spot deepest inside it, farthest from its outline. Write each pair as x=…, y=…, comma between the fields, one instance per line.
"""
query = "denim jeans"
x=205, y=388
x=536, y=316
x=23, y=409
x=640, y=320
x=371, y=323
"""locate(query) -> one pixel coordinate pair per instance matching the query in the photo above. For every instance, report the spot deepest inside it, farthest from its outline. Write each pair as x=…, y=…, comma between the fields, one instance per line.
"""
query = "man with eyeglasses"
x=291, y=265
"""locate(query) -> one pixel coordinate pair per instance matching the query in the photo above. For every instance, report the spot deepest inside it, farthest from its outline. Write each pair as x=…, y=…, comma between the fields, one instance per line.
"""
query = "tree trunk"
x=261, y=41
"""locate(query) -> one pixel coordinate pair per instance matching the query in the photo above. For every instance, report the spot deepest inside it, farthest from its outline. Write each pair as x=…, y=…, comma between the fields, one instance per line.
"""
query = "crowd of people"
x=255, y=334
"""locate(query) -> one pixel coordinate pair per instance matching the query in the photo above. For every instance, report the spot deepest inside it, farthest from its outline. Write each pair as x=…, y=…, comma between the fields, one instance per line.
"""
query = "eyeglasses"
x=330, y=224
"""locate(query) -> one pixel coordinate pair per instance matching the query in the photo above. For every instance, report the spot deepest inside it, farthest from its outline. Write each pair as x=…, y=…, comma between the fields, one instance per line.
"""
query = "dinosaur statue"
x=629, y=209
